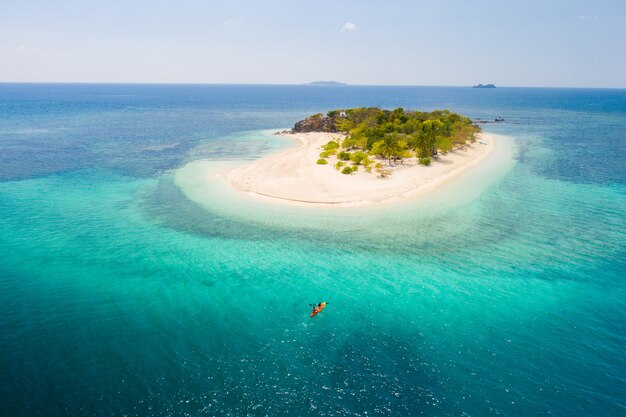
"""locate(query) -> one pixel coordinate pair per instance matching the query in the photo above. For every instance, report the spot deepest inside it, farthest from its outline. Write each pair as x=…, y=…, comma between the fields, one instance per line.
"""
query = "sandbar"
x=293, y=177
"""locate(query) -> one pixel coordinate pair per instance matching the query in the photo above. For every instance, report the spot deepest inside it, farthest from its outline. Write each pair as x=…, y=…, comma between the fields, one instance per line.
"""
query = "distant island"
x=384, y=156
x=327, y=83
x=484, y=86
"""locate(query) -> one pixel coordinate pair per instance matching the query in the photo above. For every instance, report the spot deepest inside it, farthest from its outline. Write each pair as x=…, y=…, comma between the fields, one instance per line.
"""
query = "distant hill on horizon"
x=326, y=83
x=484, y=86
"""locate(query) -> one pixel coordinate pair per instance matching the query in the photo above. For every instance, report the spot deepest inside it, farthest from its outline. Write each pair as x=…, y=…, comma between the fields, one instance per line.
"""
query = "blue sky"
x=560, y=43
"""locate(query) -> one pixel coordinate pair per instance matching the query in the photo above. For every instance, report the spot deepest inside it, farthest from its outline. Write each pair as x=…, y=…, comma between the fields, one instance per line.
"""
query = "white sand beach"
x=293, y=177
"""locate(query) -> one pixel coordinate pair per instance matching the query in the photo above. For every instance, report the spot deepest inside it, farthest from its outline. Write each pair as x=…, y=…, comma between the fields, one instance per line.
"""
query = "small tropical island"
x=326, y=83
x=369, y=135
x=366, y=155
x=484, y=86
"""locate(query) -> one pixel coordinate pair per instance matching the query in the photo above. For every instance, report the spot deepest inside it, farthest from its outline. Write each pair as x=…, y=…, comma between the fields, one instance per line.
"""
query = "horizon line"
x=308, y=84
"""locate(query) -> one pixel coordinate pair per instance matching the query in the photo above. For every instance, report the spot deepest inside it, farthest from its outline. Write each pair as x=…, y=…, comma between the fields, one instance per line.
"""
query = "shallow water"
x=119, y=295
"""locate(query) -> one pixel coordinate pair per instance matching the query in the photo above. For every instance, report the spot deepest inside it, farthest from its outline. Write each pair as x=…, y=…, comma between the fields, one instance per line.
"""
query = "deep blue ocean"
x=121, y=296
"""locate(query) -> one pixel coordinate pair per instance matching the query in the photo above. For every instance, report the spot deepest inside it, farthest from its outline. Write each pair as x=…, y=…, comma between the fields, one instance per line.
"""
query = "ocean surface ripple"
x=120, y=296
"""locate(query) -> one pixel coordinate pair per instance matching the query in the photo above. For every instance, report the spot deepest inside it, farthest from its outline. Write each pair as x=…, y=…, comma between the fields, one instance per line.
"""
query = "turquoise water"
x=124, y=291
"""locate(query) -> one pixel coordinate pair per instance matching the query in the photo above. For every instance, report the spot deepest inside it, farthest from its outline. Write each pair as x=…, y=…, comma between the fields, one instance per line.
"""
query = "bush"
x=348, y=142
x=344, y=156
x=330, y=146
x=382, y=171
x=326, y=154
x=425, y=161
x=339, y=164
x=358, y=157
x=349, y=169
x=322, y=161
x=367, y=163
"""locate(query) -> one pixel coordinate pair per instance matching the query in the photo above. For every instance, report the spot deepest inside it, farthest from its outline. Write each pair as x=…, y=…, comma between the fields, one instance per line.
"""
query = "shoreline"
x=292, y=177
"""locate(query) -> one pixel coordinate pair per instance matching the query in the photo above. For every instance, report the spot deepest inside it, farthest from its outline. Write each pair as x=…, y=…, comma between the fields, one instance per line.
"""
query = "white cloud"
x=230, y=22
x=348, y=27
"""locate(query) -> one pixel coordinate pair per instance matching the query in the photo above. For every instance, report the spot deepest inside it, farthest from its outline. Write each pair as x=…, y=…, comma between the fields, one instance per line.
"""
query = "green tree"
x=349, y=142
x=444, y=143
x=358, y=157
x=390, y=146
x=398, y=117
x=343, y=124
x=357, y=138
x=425, y=139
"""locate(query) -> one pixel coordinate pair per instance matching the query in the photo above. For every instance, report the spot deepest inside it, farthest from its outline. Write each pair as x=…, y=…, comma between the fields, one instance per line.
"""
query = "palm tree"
x=426, y=138
x=389, y=146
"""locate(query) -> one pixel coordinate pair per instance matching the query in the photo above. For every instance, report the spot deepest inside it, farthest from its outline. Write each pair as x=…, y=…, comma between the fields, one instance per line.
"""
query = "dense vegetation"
x=391, y=134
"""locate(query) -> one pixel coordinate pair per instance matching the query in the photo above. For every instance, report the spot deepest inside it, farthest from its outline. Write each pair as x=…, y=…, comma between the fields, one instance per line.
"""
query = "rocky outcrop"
x=315, y=123
x=496, y=120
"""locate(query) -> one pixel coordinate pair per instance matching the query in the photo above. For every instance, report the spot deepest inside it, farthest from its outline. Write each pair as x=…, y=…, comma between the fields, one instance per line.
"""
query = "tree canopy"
x=390, y=134
x=426, y=133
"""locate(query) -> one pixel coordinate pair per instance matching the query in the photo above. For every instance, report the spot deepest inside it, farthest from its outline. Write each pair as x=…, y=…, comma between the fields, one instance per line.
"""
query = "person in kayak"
x=316, y=306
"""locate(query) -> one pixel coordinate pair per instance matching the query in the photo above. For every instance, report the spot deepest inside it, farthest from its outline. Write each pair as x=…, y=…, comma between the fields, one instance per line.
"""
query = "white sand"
x=293, y=177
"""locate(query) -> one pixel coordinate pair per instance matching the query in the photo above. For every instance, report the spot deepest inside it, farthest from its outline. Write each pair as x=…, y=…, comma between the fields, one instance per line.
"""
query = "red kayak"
x=318, y=308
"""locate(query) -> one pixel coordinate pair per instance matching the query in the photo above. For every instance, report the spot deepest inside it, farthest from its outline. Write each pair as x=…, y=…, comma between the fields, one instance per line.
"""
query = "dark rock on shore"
x=315, y=123
x=496, y=120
